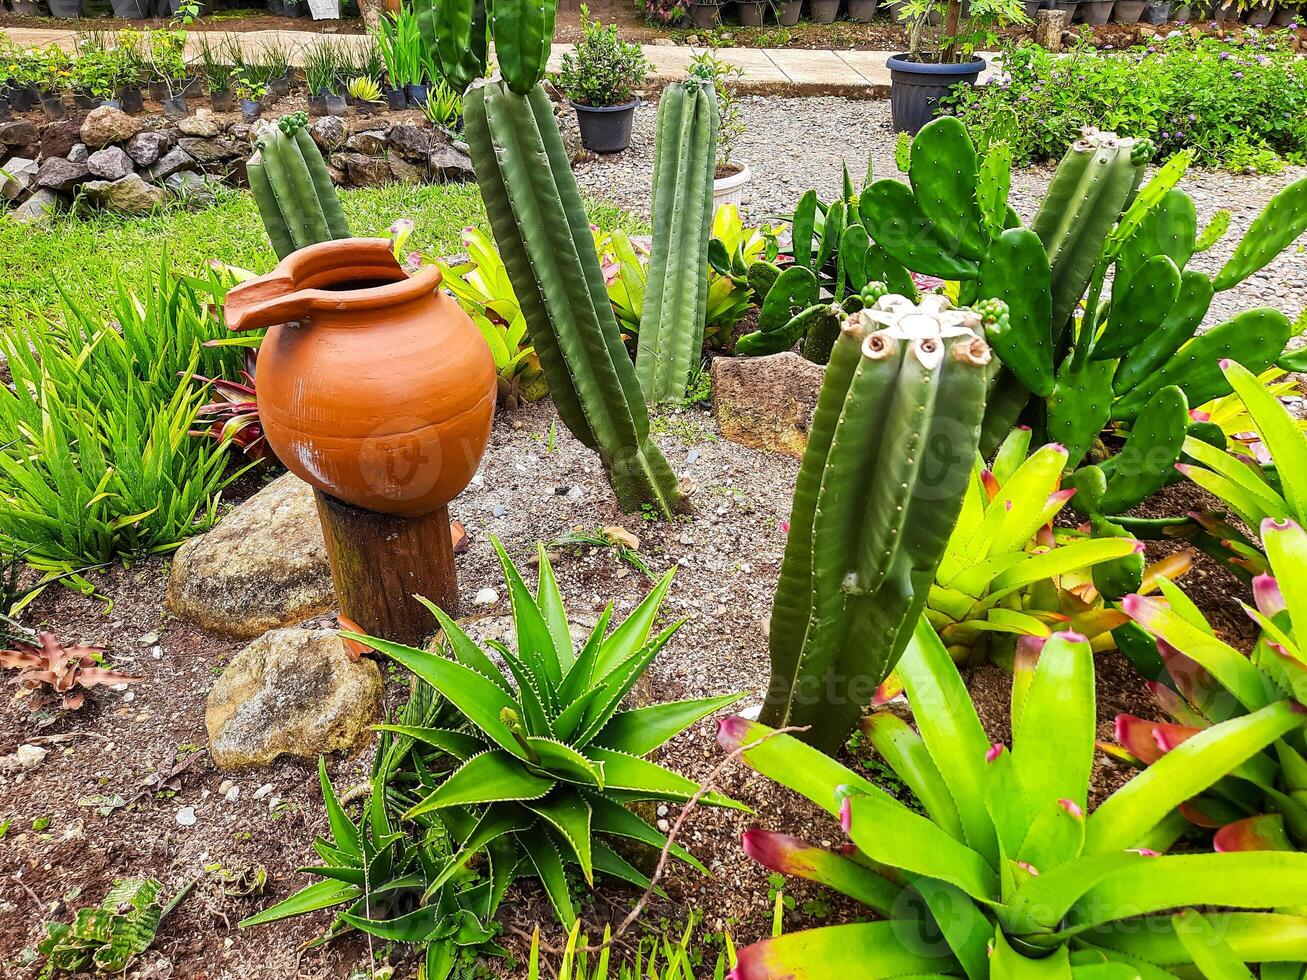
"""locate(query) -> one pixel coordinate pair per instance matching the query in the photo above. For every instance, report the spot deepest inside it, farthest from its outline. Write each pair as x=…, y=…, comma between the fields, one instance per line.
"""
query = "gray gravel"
x=792, y=144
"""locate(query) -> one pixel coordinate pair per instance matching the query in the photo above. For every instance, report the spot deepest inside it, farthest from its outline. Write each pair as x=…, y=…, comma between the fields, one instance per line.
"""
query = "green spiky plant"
x=1263, y=804
x=547, y=761
x=1007, y=874
x=544, y=237
x=878, y=492
x=676, y=296
x=291, y=187
x=1135, y=360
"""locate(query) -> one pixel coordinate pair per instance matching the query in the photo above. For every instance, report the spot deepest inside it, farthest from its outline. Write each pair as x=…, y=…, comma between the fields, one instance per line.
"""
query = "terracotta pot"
x=382, y=391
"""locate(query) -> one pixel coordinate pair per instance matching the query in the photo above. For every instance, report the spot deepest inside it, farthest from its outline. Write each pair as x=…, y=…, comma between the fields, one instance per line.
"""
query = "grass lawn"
x=84, y=255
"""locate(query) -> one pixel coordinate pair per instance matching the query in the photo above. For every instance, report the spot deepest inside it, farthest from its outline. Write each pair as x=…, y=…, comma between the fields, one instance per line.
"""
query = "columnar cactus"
x=456, y=33
x=878, y=492
x=544, y=238
x=676, y=298
x=292, y=188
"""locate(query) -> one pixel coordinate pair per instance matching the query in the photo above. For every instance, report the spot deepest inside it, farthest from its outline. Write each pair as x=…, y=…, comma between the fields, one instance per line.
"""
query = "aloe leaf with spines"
x=676, y=296
x=1007, y=854
x=544, y=237
x=550, y=756
x=877, y=495
x=292, y=188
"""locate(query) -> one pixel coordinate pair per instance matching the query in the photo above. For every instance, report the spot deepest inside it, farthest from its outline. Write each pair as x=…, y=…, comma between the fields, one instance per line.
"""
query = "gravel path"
x=794, y=144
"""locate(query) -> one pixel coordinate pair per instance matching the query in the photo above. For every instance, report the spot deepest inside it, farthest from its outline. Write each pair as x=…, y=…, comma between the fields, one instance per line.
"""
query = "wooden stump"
x=379, y=562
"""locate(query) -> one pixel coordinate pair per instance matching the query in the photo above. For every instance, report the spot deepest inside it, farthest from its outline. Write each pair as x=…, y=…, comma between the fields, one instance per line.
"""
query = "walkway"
x=790, y=71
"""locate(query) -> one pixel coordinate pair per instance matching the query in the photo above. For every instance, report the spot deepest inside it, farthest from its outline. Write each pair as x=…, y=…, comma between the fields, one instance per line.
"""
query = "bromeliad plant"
x=66, y=671
x=878, y=493
x=1007, y=874
x=547, y=761
x=1262, y=805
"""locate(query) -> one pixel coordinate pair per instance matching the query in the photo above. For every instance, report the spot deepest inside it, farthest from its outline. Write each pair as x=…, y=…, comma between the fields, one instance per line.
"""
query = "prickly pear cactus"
x=878, y=492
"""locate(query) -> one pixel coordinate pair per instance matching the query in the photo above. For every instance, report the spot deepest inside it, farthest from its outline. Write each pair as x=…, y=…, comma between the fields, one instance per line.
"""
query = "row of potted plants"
x=753, y=13
x=142, y=9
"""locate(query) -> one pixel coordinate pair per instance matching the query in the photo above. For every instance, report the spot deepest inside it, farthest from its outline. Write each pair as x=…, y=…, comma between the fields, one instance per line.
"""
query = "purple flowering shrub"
x=1240, y=103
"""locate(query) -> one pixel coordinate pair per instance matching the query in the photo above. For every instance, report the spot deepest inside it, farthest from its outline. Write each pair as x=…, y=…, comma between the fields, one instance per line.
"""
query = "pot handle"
x=266, y=301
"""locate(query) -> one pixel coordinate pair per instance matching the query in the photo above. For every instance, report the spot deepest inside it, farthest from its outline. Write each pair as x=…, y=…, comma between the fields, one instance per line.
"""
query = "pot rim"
x=900, y=62
x=731, y=181
x=607, y=108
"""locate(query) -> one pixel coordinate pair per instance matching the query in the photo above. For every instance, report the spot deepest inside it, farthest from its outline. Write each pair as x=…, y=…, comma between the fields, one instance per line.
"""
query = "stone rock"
x=210, y=151
x=413, y=143
x=195, y=189
x=1049, y=27
x=59, y=138
x=364, y=171
x=111, y=163
x=79, y=153
x=58, y=174
x=328, y=132
x=291, y=692
x=240, y=131
x=174, y=161
x=406, y=173
x=105, y=125
x=19, y=173
x=450, y=163
x=371, y=143
x=146, y=148
x=38, y=207
x=129, y=194
x=766, y=402
x=20, y=132
x=264, y=566
x=203, y=123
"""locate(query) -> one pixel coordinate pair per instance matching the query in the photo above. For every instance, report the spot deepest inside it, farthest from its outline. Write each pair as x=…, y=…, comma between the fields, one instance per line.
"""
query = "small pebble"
x=263, y=791
x=149, y=639
x=499, y=510
x=186, y=816
x=486, y=597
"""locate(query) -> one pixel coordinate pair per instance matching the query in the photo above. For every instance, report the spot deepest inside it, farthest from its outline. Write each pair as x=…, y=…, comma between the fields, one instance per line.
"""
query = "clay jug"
x=374, y=386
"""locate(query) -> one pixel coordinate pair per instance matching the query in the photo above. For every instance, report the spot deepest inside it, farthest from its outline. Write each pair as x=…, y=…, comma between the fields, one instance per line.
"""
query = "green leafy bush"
x=97, y=461
x=604, y=70
x=1239, y=104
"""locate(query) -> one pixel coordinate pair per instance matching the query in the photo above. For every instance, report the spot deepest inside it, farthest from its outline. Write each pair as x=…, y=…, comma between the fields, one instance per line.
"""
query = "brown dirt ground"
x=729, y=554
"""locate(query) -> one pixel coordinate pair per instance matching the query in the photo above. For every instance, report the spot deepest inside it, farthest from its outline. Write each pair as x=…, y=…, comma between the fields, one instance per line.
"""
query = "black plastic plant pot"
x=276, y=8
x=336, y=105
x=1096, y=12
x=788, y=12
x=751, y=12
x=1068, y=7
x=84, y=100
x=279, y=87
x=27, y=8
x=223, y=100
x=174, y=107
x=130, y=9
x=917, y=87
x=65, y=9
x=396, y=99
x=251, y=109
x=417, y=95
x=53, y=107
x=824, y=11
x=132, y=100
x=606, y=129
x=705, y=14
x=861, y=11
x=111, y=103
x=158, y=91
x=1129, y=11
x=4, y=109
x=317, y=105
x=1157, y=14
x=22, y=98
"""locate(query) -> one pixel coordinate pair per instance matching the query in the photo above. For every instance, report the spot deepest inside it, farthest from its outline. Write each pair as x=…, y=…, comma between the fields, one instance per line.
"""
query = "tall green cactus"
x=456, y=33
x=544, y=237
x=676, y=297
x=878, y=492
x=292, y=188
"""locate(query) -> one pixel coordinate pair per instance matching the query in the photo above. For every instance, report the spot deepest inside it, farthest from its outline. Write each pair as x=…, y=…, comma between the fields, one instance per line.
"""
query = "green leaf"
x=630, y=637
x=641, y=730
x=1255, y=937
x=608, y=817
x=1053, y=746
x=905, y=752
x=569, y=814
x=626, y=772
x=535, y=643
x=460, y=745
x=320, y=895
x=414, y=927
x=549, y=867
x=465, y=649
x=343, y=831
x=866, y=950
x=492, y=777
x=564, y=762
x=1210, y=953
x=550, y=602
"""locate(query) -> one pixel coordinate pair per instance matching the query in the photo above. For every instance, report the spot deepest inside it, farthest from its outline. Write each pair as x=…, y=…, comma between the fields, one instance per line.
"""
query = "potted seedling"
x=824, y=11
x=320, y=76
x=57, y=79
x=444, y=108
x=364, y=93
x=394, y=58
x=168, y=64
x=22, y=69
x=1130, y=11
x=599, y=76
x=131, y=48
x=751, y=11
x=923, y=75
x=219, y=75
x=251, y=91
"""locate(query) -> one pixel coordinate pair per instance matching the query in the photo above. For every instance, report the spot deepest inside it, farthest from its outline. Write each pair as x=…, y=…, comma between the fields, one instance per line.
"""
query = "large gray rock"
x=328, y=132
x=263, y=566
x=203, y=123
x=172, y=162
x=766, y=402
x=197, y=190
x=58, y=174
x=210, y=151
x=413, y=143
x=19, y=132
x=127, y=195
x=404, y=172
x=111, y=163
x=371, y=143
x=19, y=173
x=450, y=163
x=291, y=692
x=38, y=207
x=146, y=148
x=363, y=171
x=105, y=125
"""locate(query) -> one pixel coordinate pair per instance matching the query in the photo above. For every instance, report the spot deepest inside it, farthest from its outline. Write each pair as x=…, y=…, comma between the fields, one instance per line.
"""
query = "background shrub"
x=1241, y=104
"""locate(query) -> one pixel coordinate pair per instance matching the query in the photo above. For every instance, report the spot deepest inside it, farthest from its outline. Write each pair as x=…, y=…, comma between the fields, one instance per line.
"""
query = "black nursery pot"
x=705, y=14
x=251, y=109
x=279, y=87
x=336, y=105
x=317, y=105
x=84, y=100
x=916, y=88
x=158, y=91
x=174, y=108
x=21, y=98
x=788, y=12
x=4, y=109
x=131, y=99
x=396, y=99
x=606, y=129
x=751, y=12
x=223, y=100
x=417, y=95
x=53, y=107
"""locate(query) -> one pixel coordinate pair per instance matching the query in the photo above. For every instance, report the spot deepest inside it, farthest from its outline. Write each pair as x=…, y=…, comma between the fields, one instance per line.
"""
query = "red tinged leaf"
x=1193, y=812
x=890, y=688
x=1261, y=833
x=1268, y=597
x=1194, y=683
x=990, y=484
x=1135, y=735
x=1168, y=735
x=1177, y=707
x=60, y=668
x=778, y=852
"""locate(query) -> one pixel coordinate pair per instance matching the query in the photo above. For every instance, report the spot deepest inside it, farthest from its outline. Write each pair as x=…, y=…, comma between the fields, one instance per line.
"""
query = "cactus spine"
x=292, y=188
x=544, y=237
x=878, y=491
x=676, y=299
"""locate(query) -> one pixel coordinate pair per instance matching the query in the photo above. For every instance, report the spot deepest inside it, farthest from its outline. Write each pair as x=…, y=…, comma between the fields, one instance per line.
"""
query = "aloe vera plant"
x=547, y=760
x=878, y=492
x=1135, y=360
x=1007, y=873
x=1262, y=804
